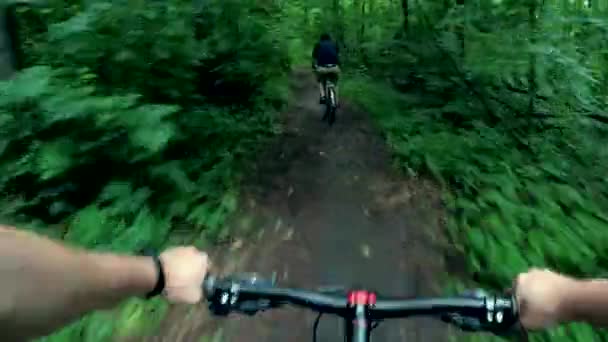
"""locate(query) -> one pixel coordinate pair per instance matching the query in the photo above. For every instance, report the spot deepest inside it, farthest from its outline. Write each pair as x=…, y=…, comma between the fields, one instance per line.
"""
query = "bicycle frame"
x=331, y=106
x=359, y=308
x=331, y=101
x=330, y=94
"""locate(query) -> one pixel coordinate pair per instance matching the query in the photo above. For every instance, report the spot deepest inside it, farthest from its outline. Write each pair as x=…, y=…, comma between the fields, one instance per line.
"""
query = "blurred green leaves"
x=511, y=208
x=132, y=118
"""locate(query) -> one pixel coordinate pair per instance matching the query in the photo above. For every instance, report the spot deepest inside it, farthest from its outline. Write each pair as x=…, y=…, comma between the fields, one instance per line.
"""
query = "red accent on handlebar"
x=372, y=299
x=361, y=297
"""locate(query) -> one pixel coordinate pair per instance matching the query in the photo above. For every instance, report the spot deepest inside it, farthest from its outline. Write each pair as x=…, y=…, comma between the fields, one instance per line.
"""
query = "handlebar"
x=250, y=294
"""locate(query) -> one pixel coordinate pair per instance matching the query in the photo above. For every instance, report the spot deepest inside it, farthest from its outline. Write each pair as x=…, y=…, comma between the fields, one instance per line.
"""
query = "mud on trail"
x=323, y=207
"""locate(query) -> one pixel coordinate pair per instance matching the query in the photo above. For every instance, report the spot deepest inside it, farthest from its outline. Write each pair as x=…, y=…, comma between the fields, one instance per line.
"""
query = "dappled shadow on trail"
x=324, y=208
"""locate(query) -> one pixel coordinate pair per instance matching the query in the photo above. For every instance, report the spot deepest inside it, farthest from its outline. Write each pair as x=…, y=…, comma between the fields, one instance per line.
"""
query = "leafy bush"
x=542, y=205
x=132, y=123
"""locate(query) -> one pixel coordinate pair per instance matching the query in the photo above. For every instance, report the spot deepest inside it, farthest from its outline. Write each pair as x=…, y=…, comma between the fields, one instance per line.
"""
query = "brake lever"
x=226, y=299
x=504, y=324
x=251, y=307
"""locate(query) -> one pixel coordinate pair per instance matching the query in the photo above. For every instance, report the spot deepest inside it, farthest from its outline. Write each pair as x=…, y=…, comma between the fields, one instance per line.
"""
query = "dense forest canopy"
x=129, y=123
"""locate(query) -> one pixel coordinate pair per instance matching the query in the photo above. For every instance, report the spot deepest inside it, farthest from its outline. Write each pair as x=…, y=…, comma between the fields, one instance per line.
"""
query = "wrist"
x=128, y=275
x=146, y=281
x=572, y=305
x=159, y=284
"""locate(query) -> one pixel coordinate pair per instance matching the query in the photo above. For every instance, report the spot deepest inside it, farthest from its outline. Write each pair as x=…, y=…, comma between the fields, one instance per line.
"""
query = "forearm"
x=587, y=302
x=45, y=285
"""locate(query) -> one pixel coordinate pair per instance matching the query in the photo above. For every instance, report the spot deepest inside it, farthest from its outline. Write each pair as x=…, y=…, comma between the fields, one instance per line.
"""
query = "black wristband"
x=160, y=281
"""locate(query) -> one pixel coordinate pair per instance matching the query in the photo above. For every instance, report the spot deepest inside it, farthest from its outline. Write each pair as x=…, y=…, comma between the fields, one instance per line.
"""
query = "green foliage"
x=508, y=210
x=134, y=118
x=514, y=134
x=502, y=103
x=132, y=124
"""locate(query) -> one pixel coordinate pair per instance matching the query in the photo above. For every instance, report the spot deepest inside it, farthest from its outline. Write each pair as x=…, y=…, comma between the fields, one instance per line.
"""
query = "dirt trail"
x=331, y=212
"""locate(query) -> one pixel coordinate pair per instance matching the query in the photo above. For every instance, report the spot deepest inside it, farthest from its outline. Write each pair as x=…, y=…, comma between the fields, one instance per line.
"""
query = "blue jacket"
x=326, y=53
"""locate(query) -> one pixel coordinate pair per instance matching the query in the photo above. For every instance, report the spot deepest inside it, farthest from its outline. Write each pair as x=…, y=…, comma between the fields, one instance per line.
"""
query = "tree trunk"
x=461, y=32
x=7, y=53
x=338, y=22
x=362, y=22
x=532, y=84
x=406, y=14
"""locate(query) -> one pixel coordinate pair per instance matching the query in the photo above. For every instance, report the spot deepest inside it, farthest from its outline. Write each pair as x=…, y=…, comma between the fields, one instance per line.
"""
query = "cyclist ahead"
x=45, y=285
x=326, y=64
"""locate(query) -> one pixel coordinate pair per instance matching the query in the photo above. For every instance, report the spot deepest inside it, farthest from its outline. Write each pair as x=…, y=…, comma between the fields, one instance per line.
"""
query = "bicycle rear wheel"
x=331, y=104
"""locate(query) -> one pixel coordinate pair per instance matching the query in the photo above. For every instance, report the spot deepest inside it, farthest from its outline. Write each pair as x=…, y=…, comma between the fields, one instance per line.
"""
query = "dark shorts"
x=331, y=73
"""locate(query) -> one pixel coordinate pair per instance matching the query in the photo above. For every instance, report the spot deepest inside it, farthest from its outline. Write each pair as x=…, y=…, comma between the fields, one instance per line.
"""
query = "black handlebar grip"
x=500, y=314
x=506, y=312
x=209, y=286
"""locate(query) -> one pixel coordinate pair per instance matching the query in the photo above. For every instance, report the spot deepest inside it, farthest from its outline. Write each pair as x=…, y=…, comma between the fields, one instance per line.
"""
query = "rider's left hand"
x=185, y=269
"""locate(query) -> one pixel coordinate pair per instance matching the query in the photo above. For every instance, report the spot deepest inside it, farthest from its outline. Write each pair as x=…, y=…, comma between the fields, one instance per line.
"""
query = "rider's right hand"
x=185, y=269
x=541, y=295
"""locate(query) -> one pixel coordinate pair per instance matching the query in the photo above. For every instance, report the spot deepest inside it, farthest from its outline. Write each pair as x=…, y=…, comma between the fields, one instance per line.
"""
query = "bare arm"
x=547, y=298
x=45, y=285
x=587, y=301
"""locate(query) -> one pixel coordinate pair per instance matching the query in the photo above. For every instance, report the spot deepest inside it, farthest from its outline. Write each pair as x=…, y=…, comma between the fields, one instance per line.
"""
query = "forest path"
x=328, y=210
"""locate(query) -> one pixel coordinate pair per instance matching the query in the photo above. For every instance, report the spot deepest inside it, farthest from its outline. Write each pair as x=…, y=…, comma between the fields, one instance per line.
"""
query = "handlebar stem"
x=358, y=327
